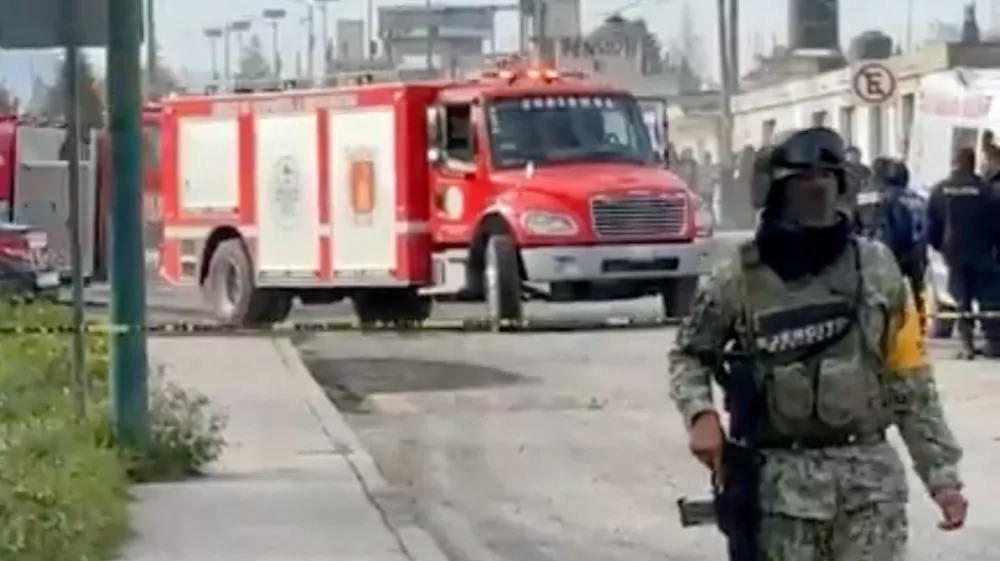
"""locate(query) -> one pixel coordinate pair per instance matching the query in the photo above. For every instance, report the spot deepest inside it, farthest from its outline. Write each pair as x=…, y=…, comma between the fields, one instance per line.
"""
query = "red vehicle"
x=508, y=186
x=33, y=179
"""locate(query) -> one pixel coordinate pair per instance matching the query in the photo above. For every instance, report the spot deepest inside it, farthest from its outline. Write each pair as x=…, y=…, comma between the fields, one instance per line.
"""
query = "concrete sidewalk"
x=294, y=484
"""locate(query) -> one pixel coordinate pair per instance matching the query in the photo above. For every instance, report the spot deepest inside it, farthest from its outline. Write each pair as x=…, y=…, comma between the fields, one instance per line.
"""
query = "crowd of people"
x=958, y=220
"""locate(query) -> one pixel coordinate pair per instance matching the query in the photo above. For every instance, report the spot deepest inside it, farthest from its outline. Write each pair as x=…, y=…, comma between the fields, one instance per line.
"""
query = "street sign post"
x=873, y=83
x=118, y=25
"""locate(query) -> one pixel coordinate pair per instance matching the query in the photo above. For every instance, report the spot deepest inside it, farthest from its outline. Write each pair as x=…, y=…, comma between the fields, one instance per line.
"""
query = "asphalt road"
x=565, y=447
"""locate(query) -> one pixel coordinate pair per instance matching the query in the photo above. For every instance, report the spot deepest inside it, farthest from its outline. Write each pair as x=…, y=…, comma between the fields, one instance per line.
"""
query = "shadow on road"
x=348, y=382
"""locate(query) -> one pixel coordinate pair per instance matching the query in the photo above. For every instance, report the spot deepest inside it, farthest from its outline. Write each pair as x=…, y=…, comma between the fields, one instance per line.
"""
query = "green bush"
x=63, y=484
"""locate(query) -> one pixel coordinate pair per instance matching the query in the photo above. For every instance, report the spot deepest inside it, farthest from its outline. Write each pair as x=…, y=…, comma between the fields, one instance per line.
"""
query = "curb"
x=415, y=542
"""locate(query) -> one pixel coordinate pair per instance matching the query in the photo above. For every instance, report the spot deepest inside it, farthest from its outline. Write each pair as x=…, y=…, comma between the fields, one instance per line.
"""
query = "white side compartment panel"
x=362, y=152
x=208, y=163
x=287, y=190
x=41, y=194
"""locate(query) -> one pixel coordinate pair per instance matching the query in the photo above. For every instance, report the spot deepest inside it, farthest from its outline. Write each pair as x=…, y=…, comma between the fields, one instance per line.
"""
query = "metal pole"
x=909, y=25
x=726, y=119
x=227, y=55
x=72, y=79
x=536, y=28
x=734, y=44
x=311, y=43
x=370, y=24
x=129, y=367
x=432, y=31
x=151, y=59
x=275, y=56
x=324, y=28
x=213, y=45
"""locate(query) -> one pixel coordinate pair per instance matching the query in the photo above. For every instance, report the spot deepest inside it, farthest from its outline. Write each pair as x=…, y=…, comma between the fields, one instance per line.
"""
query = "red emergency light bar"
x=544, y=75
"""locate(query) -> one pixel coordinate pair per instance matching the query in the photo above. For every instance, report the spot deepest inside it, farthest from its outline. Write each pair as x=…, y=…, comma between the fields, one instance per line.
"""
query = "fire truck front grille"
x=633, y=216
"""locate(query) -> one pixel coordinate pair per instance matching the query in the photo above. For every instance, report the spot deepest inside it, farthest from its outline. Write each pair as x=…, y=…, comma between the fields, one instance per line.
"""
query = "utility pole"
x=370, y=24
x=71, y=76
x=153, y=79
x=324, y=29
x=311, y=42
x=539, y=31
x=432, y=32
x=726, y=115
x=129, y=366
x=734, y=45
x=274, y=17
x=227, y=55
x=213, y=34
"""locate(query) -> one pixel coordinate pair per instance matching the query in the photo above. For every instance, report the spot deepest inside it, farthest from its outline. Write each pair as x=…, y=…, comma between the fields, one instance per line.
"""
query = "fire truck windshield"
x=549, y=130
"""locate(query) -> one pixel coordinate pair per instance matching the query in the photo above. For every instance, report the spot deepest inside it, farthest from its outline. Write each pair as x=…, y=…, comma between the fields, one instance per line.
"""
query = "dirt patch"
x=348, y=382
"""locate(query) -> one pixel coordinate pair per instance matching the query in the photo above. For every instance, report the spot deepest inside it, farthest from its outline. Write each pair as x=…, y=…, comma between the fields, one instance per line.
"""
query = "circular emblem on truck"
x=286, y=190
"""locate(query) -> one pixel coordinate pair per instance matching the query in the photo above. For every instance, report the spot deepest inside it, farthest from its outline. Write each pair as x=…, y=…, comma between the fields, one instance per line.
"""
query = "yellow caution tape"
x=473, y=325
x=194, y=329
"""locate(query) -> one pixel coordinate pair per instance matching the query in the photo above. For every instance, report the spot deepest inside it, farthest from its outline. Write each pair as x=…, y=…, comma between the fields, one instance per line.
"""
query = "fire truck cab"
x=510, y=185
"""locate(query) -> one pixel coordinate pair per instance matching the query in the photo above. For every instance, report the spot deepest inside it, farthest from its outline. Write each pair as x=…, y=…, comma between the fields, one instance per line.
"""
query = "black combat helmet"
x=791, y=153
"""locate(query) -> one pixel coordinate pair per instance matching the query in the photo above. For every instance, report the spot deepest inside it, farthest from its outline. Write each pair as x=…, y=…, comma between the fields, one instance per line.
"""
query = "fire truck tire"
x=391, y=305
x=502, y=279
x=230, y=288
x=677, y=296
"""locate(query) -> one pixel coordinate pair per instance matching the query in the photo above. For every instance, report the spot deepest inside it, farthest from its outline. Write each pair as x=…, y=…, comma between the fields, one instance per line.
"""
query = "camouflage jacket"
x=816, y=484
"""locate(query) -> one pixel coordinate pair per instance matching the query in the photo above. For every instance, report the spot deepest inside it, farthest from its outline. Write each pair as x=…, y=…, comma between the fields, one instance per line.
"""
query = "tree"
x=164, y=81
x=253, y=63
x=8, y=101
x=39, y=93
x=90, y=105
x=688, y=52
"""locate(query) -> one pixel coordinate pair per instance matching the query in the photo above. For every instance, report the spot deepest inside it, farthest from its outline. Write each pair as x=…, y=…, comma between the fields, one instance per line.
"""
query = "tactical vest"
x=818, y=347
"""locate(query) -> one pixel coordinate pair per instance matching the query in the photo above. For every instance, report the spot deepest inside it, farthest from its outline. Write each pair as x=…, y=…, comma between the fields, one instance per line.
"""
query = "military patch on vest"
x=794, y=329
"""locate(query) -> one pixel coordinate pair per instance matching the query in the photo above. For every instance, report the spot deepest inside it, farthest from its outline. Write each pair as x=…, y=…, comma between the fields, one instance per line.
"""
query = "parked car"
x=26, y=269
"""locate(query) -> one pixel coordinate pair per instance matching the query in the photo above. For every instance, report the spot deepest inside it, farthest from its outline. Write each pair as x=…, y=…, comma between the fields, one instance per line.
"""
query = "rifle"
x=734, y=506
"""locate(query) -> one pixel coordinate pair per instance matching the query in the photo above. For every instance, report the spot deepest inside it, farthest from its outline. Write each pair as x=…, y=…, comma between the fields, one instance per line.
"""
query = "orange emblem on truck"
x=361, y=180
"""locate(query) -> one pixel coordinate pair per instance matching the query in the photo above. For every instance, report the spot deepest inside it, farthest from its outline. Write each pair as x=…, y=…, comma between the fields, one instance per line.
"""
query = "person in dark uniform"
x=961, y=219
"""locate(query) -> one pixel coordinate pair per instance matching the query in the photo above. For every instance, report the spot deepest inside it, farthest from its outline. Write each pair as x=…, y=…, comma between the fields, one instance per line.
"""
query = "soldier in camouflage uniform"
x=831, y=488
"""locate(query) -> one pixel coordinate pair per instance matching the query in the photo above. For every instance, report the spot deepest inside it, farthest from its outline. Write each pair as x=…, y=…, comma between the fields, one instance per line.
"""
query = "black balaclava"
x=794, y=251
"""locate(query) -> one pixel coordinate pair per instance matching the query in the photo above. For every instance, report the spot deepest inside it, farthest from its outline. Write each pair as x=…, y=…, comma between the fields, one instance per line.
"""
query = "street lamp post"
x=213, y=34
x=237, y=28
x=324, y=28
x=274, y=17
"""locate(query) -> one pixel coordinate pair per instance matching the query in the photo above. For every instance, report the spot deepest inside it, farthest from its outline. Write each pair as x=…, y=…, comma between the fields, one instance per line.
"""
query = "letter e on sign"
x=873, y=83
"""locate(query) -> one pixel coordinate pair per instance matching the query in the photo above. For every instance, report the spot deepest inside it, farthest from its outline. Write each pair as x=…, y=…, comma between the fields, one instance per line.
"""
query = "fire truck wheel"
x=502, y=277
x=677, y=296
x=231, y=289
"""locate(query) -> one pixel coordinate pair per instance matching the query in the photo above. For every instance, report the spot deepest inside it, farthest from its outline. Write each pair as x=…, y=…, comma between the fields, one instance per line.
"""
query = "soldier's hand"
x=707, y=440
x=954, y=508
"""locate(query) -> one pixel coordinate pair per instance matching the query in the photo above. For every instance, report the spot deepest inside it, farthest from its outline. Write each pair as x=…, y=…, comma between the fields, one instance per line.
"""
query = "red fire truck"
x=511, y=185
x=33, y=187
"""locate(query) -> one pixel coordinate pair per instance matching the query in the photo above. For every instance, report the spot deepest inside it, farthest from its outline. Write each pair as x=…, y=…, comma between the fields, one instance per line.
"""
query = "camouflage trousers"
x=877, y=532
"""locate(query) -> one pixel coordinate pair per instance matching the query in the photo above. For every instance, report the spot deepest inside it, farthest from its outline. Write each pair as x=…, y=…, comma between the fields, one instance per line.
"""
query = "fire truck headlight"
x=542, y=223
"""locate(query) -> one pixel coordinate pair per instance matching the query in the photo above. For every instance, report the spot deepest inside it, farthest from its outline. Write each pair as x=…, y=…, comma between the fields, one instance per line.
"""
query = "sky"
x=180, y=25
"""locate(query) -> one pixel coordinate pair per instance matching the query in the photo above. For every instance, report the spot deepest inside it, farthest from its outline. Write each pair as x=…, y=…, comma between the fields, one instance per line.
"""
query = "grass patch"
x=63, y=482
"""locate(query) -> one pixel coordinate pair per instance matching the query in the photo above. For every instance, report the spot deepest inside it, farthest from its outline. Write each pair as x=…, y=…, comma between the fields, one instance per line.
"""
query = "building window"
x=819, y=119
x=847, y=125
